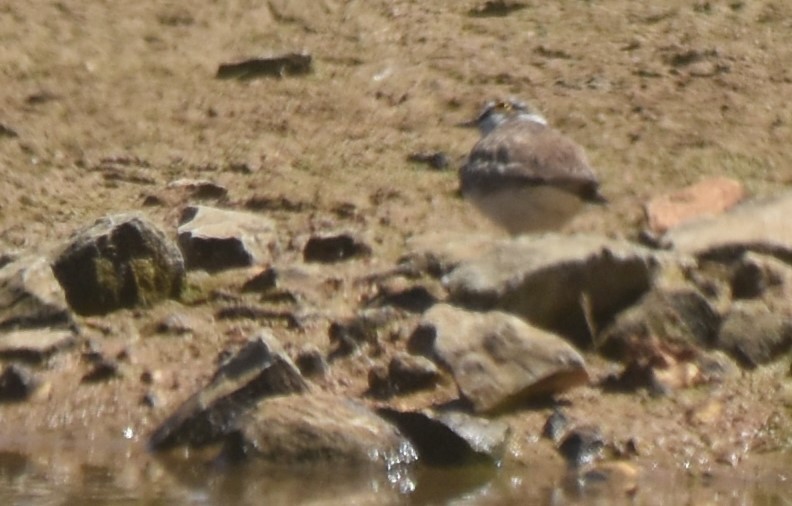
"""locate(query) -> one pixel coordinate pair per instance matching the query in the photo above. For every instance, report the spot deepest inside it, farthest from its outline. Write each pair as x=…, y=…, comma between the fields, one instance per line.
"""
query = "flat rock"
x=761, y=226
x=289, y=64
x=708, y=197
x=120, y=261
x=556, y=282
x=319, y=429
x=445, y=438
x=498, y=359
x=333, y=247
x=215, y=239
x=35, y=345
x=199, y=188
x=680, y=317
x=30, y=295
x=438, y=253
x=755, y=333
x=260, y=369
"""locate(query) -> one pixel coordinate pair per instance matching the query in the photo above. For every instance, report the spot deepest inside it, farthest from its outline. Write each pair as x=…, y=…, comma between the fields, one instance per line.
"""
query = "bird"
x=524, y=175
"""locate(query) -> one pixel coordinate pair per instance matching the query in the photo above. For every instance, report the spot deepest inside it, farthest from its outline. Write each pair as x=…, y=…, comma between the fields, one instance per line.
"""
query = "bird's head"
x=496, y=112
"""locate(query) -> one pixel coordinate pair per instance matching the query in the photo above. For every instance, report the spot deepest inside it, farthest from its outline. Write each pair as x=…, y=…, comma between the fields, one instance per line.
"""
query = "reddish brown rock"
x=708, y=197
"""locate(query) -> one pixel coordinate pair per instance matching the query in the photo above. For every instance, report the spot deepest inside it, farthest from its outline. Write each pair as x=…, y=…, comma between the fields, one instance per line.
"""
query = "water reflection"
x=43, y=481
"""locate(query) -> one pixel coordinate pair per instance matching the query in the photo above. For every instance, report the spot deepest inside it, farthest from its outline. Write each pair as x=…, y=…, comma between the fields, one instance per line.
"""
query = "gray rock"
x=755, y=275
x=498, y=359
x=311, y=362
x=367, y=327
x=260, y=369
x=445, y=438
x=319, y=429
x=761, y=226
x=215, y=239
x=408, y=373
x=35, y=345
x=120, y=261
x=335, y=247
x=680, y=316
x=555, y=426
x=755, y=333
x=30, y=295
x=582, y=446
x=560, y=283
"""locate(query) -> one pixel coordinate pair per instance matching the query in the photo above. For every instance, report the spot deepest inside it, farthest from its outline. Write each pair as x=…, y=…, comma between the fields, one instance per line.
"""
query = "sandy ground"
x=105, y=103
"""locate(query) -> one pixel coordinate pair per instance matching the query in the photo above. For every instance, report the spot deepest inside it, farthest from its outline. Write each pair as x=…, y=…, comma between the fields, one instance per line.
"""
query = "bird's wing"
x=525, y=153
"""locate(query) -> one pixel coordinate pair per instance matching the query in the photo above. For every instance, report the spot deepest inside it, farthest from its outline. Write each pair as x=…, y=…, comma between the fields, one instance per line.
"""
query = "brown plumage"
x=524, y=175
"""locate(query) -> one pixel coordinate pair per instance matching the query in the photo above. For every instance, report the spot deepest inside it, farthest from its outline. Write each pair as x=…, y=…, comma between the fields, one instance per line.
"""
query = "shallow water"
x=763, y=480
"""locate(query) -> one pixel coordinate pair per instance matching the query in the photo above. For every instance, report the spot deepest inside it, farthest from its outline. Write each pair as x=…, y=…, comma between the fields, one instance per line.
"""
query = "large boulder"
x=319, y=429
x=496, y=358
x=120, y=261
x=562, y=283
x=259, y=369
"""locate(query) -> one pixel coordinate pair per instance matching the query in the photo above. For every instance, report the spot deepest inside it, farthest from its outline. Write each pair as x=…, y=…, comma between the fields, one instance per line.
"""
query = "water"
x=65, y=478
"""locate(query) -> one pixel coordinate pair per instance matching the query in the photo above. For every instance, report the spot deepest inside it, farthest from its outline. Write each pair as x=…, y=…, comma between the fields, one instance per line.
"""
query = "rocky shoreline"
x=447, y=358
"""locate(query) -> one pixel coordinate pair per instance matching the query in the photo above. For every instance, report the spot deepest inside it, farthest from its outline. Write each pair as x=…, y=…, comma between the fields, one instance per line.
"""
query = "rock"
x=335, y=247
x=30, y=296
x=102, y=370
x=17, y=383
x=412, y=298
x=7, y=131
x=408, y=373
x=367, y=327
x=438, y=253
x=311, y=362
x=760, y=226
x=263, y=281
x=260, y=369
x=498, y=360
x=679, y=316
x=582, y=446
x=120, y=261
x=445, y=438
x=755, y=333
x=35, y=345
x=200, y=188
x=379, y=382
x=177, y=324
x=496, y=8
x=215, y=239
x=555, y=426
x=318, y=430
x=566, y=284
x=708, y=197
x=436, y=160
x=755, y=275
x=289, y=64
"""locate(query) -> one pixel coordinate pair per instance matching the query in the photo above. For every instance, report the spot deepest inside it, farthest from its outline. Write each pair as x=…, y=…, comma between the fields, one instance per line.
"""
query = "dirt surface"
x=104, y=103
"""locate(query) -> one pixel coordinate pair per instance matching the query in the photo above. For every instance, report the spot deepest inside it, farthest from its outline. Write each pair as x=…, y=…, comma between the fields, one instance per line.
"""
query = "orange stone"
x=708, y=197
